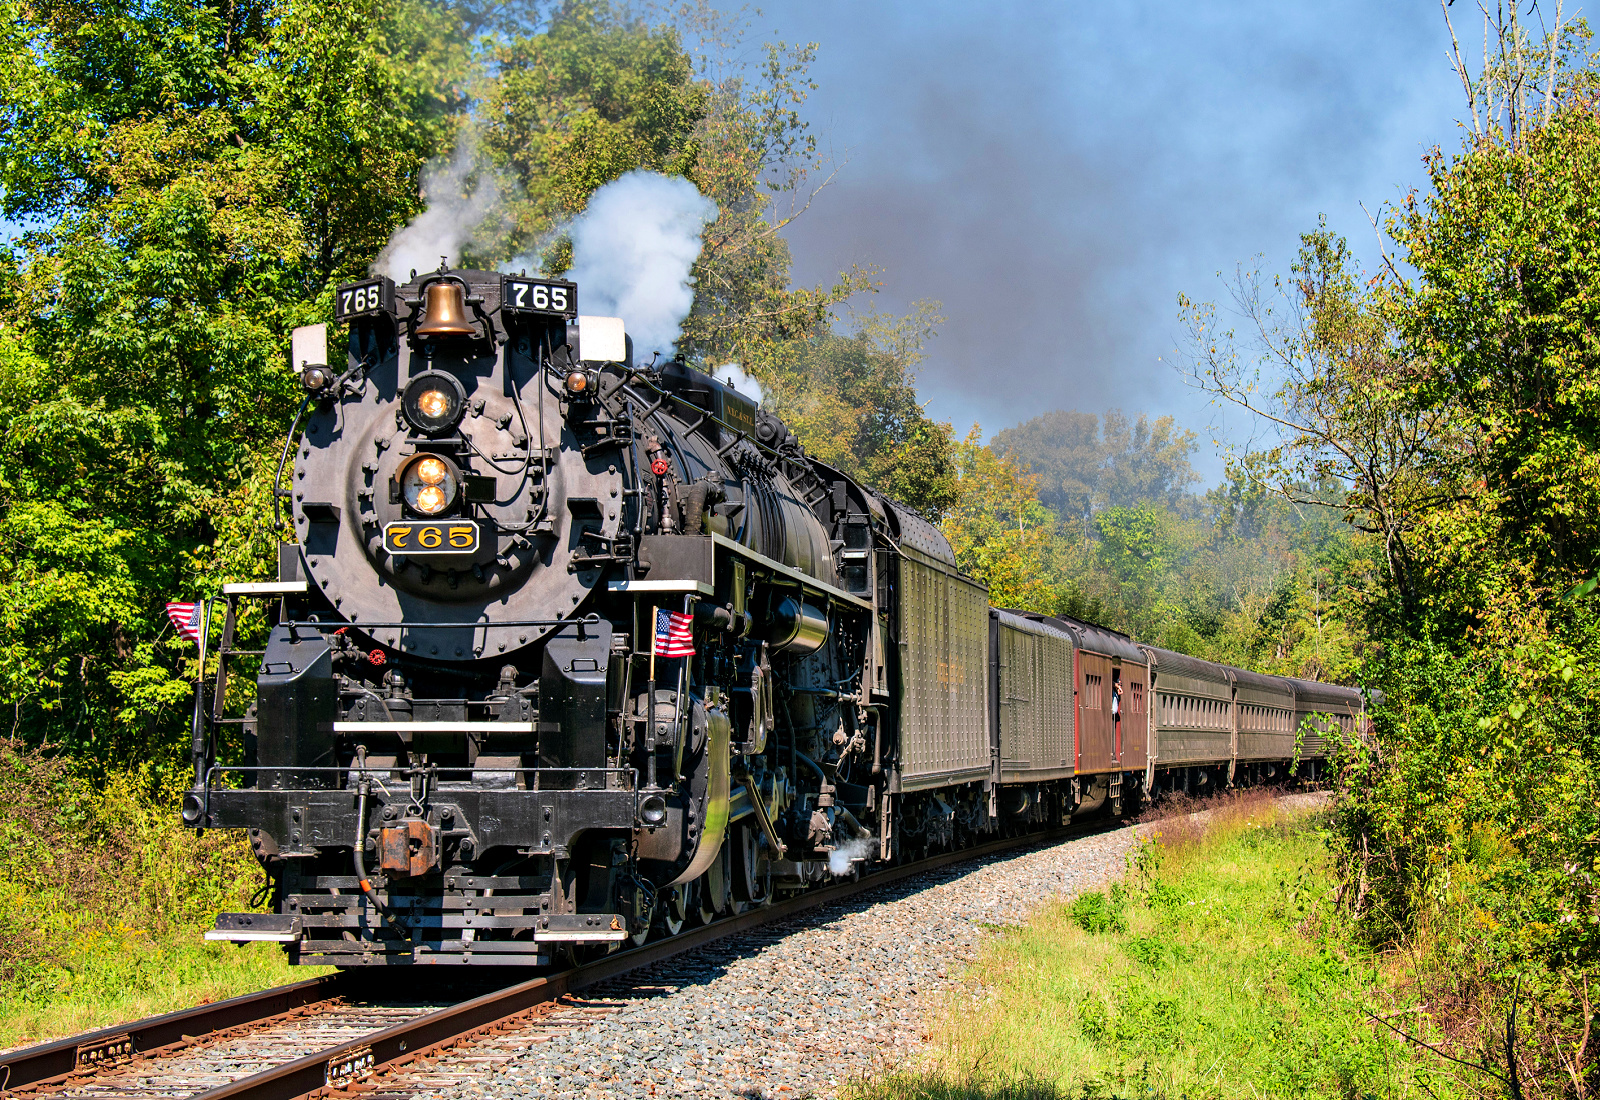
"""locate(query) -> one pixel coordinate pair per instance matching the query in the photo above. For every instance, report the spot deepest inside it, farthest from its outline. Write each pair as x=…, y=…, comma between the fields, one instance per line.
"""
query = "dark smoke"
x=1056, y=174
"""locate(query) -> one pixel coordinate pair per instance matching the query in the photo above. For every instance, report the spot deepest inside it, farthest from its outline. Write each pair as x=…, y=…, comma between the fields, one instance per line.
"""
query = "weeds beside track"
x=1215, y=969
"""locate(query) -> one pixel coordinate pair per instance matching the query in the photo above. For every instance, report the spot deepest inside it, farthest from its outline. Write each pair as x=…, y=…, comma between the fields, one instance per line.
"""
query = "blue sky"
x=1056, y=174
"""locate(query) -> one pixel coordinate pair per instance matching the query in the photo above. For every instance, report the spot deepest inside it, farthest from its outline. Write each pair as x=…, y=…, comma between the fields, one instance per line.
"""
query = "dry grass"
x=1188, y=824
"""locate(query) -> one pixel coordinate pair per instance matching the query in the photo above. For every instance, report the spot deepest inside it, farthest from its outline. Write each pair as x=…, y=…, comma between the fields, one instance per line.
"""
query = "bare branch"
x=1429, y=1046
x=1383, y=249
x=1550, y=68
x=1461, y=70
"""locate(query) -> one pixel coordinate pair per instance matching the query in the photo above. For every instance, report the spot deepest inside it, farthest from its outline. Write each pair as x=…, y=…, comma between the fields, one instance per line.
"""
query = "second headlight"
x=430, y=484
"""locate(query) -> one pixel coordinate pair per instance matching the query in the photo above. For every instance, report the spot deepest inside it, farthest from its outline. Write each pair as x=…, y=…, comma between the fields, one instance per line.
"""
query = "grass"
x=105, y=899
x=1214, y=970
x=120, y=979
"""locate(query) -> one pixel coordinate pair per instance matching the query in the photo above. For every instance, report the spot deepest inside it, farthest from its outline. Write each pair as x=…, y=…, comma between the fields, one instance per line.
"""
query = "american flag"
x=186, y=617
x=674, y=634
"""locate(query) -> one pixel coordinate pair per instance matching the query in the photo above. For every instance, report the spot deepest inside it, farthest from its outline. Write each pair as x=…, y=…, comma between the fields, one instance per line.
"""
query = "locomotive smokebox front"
x=443, y=499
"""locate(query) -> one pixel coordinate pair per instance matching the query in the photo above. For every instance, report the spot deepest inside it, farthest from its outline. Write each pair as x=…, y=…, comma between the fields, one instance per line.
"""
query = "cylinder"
x=797, y=628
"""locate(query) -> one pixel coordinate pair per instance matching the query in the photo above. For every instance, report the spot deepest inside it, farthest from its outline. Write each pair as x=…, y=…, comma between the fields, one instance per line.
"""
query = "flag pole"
x=650, y=706
x=198, y=729
x=677, y=698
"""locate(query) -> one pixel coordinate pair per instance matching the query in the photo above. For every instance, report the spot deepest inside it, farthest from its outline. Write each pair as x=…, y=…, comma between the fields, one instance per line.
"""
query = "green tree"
x=198, y=177
x=1453, y=399
x=1086, y=463
x=1137, y=547
x=599, y=91
x=1504, y=308
x=574, y=105
x=852, y=401
x=1320, y=363
x=999, y=531
x=1063, y=449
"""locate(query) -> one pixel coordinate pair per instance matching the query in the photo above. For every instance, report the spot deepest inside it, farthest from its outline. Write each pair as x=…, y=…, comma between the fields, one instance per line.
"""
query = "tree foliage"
x=852, y=400
x=195, y=177
x=1086, y=462
x=597, y=91
x=1240, y=574
x=1451, y=397
x=999, y=531
x=571, y=107
x=1321, y=364
x=1504, y=310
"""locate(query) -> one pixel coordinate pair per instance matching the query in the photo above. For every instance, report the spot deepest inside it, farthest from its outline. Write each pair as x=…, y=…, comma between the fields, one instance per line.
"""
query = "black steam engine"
x=467, y=743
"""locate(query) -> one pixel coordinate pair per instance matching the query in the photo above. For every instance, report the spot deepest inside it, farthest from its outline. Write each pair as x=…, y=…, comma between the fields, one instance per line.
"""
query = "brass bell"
x=445, y=312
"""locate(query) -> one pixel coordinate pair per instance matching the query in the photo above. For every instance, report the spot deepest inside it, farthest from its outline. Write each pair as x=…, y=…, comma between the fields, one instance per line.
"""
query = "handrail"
x=590, y=619
x=433, y=771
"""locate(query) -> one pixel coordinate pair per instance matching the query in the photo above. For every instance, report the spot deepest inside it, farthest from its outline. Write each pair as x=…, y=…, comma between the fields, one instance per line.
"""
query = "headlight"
x=434, y=404
x=429, y=485
x=434, y=401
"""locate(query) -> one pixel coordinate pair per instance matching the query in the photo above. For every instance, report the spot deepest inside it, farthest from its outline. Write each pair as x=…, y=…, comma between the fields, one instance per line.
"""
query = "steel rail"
x=352, y=1061
x=52, y=1063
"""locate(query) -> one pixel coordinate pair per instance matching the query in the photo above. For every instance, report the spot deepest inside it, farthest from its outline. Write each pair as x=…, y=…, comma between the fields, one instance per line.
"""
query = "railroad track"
x=332, y=1035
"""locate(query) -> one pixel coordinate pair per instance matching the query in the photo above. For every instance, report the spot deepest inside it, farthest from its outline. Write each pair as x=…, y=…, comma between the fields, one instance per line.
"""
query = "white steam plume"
x=447, y=224
x=844, y=854
x=731, y=374
x=632, y=249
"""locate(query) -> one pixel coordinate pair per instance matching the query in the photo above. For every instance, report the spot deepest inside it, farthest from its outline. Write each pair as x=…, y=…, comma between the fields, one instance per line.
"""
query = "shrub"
x=94, y=878
x=1097, y=913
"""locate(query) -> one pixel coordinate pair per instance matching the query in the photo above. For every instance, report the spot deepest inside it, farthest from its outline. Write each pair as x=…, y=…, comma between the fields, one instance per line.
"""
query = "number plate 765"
x=431, y=537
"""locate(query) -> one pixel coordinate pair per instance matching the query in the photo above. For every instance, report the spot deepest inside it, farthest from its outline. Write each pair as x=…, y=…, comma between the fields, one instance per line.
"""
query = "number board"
x=364, y=299
x=550, y=297
x=424, y=536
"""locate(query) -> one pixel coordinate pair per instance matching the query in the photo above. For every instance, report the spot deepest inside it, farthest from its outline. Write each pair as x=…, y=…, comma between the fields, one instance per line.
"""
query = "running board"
x=581, y=928
x=246, y=927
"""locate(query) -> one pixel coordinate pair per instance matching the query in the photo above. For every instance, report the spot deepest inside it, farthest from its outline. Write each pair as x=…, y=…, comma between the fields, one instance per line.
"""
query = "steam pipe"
x=822, y=775
x=844, y=812
x=283, y=460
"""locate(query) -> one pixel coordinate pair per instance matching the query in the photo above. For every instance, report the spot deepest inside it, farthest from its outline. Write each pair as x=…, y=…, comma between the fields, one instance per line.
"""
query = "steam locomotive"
x=478, y=733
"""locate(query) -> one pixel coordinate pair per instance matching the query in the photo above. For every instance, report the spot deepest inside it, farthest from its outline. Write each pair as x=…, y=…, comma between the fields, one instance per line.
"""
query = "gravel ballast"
x=791, y=1010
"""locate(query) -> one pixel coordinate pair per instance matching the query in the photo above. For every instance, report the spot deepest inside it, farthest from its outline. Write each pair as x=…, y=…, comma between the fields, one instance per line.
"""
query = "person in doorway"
x=1116, y=714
